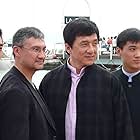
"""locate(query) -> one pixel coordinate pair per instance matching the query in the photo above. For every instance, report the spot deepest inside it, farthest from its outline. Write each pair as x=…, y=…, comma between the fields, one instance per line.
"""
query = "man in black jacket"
x=128, y=43
x=86, y=101
x=23, y=113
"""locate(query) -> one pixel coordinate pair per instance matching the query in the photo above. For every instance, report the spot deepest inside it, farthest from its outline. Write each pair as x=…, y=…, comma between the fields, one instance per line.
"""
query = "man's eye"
x=44, y=50
x=84, y=44
x=132, y=49
x=95, y=44
x=36, y=49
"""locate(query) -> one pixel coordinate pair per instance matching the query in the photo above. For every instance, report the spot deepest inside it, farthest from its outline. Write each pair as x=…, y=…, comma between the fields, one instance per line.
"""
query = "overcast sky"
x=111, y=16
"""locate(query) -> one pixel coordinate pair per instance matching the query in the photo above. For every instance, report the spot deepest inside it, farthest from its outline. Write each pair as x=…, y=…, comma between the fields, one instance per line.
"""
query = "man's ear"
x=118, y=51
x=16, y=50
x=67, y=48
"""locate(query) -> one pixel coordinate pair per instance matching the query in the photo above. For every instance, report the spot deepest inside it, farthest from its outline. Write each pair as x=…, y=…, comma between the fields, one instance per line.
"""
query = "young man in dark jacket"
x=128, y=43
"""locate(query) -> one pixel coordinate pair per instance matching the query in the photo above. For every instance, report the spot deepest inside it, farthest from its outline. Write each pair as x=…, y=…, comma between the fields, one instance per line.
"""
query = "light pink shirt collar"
x=73, y=70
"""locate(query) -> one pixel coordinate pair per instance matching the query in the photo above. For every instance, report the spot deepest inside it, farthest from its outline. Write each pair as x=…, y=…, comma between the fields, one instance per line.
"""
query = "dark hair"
x=79, y=27
x=130, y=34
x=0, y=33
x=25, y=33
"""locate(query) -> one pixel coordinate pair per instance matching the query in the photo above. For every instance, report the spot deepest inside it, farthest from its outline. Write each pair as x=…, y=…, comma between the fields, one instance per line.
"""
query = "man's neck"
x=27, y=73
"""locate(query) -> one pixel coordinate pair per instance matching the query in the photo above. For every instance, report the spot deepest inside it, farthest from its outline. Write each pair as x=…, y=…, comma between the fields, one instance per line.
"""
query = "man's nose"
x=42, y=54
x=137, y=54
x=92, y=48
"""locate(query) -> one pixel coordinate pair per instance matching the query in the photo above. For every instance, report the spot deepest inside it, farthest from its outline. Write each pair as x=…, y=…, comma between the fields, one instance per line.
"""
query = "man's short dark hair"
x=25, y=33
x=130, y=34
x=0, y=32
x=79, y=27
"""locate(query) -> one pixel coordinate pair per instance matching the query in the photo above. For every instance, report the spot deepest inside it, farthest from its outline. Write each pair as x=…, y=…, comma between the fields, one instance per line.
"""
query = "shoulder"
x=117, y=72
x=57, y=72
x=98, y=71
x=104, y=79
x=109, y=75
x=12, y=87
x=14, y=99
x=55, y=77
x=101, y=75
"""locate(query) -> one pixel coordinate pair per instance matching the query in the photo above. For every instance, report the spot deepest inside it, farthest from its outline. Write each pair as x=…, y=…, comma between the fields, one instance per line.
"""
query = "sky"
x=111, y=16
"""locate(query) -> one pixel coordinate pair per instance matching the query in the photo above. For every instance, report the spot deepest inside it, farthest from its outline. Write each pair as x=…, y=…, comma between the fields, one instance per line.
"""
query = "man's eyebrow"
x=132, y=46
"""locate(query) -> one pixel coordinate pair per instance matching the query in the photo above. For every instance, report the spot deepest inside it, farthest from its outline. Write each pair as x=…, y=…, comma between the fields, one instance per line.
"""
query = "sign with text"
x=67, y=19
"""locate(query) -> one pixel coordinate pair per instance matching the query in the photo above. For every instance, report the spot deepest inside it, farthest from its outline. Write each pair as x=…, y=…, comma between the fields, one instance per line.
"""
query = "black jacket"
x=102, y=110
x=132, y=91
x=22, y=117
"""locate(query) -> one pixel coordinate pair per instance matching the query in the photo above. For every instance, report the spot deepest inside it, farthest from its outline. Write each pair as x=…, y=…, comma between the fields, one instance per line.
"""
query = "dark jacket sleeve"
x=43, y=87
x=14, y=115
x=124, y=130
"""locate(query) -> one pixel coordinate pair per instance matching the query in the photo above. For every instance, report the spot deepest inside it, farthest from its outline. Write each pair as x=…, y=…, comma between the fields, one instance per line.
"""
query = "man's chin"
x=39, y=67
x=90, y=63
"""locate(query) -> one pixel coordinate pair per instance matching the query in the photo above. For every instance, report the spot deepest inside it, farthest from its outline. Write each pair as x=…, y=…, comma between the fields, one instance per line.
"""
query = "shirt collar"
x=73, y=69
x=130, y=75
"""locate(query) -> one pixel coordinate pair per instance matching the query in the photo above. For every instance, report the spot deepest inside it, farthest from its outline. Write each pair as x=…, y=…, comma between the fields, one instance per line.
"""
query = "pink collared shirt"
x=70, y=116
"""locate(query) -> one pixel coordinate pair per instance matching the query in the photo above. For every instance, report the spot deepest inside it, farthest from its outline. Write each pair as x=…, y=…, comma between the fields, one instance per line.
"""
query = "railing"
x=108, y=59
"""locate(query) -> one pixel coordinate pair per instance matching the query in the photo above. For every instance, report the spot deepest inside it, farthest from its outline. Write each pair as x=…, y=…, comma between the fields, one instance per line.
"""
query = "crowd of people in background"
x=108, y=43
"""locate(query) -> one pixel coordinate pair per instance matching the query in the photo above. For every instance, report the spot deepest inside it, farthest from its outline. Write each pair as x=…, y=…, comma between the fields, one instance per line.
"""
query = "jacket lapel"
x=37, y=96
x=43, y=106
